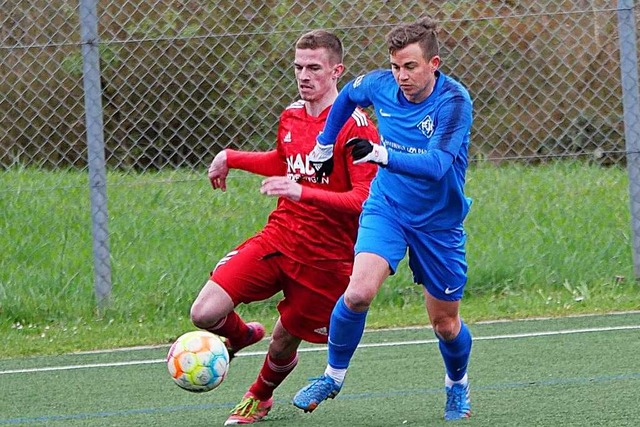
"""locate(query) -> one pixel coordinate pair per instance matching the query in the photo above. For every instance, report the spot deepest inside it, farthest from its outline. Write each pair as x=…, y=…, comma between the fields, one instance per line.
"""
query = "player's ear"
x=338, y=69
x=434, y=62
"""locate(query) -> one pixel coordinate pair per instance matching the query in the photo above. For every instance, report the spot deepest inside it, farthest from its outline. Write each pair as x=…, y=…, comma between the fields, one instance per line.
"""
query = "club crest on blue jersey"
x=426, y=126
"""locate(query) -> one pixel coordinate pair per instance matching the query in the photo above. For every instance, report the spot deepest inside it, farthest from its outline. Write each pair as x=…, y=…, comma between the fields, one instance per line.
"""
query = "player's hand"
x=281, y=186
x=364, y=150
x=321, y=159
x=218, y=171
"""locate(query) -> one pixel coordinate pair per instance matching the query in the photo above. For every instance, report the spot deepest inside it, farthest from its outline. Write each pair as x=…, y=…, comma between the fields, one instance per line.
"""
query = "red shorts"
x=255, y=271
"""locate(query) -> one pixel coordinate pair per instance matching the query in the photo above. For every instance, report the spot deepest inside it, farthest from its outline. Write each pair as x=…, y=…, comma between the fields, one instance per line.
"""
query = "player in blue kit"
x=416, y=202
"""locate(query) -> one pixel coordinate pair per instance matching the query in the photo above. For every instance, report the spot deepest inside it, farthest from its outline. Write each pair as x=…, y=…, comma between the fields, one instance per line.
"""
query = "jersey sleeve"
x=432, y=165
x=268, y=163
x=265, y=163
x=353, y=94
x=349, y=201
x=454, y=123
x=360, y=175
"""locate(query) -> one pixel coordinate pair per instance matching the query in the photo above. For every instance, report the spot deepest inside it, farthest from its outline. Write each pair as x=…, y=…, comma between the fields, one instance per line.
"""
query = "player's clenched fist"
x=363, y=150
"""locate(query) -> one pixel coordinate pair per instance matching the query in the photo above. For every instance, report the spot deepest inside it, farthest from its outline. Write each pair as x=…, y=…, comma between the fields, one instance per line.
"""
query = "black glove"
x=321, y=159
x=364, y=150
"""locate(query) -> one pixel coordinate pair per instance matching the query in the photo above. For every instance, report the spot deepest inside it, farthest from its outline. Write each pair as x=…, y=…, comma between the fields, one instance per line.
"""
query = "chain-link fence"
x=165, y=83
x=181, y=78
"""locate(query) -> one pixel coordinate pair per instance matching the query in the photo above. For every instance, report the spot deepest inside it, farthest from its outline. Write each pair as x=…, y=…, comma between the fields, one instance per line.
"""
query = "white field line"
x=400, y=328
x=324, y=348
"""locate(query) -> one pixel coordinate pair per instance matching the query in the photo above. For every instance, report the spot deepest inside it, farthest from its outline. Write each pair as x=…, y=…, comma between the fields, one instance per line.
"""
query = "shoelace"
x=247, y=407
x=454, y=399
x=320, y=383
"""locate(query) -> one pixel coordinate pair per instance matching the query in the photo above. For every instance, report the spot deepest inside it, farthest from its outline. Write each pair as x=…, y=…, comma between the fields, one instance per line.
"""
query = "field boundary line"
x=370, y=331
x=324, y=348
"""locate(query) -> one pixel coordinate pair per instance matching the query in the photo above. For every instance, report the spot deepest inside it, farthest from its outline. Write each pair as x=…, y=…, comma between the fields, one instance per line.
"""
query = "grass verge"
x=550, y=240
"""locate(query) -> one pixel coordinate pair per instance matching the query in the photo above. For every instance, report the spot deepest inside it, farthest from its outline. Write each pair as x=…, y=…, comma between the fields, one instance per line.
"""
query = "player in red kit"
x=306, y=248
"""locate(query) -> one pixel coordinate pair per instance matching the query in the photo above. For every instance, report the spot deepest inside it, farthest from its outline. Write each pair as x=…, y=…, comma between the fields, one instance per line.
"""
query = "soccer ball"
x=198, y=361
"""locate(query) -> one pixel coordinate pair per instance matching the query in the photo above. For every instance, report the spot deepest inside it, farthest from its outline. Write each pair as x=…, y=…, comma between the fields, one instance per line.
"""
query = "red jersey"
x=320, y=229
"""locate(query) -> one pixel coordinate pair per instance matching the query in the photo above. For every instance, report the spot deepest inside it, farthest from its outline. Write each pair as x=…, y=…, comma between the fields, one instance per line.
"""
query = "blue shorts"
x=436, y=258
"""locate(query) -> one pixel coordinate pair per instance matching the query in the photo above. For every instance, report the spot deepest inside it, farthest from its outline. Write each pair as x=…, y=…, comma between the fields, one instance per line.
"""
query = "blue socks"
x=345, y=331
x=456, y=353
x=346, y=328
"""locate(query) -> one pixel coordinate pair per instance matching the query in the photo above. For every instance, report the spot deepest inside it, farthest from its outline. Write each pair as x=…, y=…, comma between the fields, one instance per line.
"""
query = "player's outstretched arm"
x=321, y=157
x=266, y=163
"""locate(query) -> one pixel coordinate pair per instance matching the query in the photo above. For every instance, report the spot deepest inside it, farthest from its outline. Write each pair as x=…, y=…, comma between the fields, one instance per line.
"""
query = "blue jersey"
x=427, y=143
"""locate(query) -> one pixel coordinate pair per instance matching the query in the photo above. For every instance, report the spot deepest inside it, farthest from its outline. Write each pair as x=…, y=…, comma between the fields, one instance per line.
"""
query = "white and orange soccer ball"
x=198, y=361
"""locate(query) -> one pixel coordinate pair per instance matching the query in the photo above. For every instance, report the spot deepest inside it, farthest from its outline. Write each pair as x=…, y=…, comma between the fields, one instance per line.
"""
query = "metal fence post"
x=96, y=155
x=631, y=108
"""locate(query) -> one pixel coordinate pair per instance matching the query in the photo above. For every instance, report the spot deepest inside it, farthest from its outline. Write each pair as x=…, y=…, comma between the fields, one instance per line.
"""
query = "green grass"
x=548, y=240
x=579, y=371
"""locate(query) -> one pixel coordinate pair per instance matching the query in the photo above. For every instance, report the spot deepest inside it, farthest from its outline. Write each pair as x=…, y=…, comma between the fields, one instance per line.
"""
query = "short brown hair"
x=424, y=32
x=318, y=39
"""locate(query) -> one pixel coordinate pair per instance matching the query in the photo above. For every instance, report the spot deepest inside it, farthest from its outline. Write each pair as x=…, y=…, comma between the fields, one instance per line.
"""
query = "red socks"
x=273, y=372
x=232, y=328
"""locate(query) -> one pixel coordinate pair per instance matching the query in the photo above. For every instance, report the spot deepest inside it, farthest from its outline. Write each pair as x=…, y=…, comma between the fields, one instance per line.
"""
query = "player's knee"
x=362, y=289
x=446, y=328
x=198, y=315
x=358, y=298
x=212, y=304
x=202, y=315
